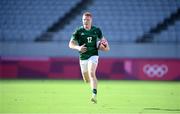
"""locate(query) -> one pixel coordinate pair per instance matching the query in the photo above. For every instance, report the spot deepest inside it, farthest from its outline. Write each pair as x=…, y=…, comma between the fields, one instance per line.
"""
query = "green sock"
x=95, y=91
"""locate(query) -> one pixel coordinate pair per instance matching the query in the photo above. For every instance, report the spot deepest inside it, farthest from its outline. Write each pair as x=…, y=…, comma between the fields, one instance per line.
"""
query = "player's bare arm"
x=74, y=45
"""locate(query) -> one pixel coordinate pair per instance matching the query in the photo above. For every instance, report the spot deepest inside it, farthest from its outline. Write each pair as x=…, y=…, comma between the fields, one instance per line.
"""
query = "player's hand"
x=82, y=48
x=104, y=46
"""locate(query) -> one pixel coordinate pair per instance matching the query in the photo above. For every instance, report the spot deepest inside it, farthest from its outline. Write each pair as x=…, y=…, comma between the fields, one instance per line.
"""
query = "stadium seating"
x=24, y=20
x=171, y=35
x=121, y=21
x=125, y=20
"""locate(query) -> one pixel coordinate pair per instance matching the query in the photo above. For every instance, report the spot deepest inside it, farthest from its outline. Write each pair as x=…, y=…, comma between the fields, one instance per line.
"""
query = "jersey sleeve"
x=74, y=35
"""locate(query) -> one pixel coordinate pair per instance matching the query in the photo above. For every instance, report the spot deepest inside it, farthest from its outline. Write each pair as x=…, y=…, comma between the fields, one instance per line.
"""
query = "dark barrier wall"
x=109, y=68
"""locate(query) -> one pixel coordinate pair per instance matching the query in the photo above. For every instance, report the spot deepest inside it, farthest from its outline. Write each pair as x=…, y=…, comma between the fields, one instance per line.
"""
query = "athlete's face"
x=87, y=20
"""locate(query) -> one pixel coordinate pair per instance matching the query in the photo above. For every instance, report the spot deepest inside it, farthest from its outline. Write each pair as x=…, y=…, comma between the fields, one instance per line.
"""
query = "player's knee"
x=91, y=74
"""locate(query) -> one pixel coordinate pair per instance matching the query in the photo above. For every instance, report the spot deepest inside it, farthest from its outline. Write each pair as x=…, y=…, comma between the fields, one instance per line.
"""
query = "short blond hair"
x=87, y=14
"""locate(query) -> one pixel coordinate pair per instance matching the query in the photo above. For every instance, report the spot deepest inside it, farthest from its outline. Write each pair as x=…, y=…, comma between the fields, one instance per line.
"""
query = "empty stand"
x=24, y=20
x=121, y=21
x=124, y=20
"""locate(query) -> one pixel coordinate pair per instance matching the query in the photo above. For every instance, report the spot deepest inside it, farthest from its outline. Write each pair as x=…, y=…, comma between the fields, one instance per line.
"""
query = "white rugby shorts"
x=84, y=63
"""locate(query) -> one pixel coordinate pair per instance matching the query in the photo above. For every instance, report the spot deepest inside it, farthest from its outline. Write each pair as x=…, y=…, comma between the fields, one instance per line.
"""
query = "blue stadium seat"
x=125, y=20
x=26, y=19
x=121, y=21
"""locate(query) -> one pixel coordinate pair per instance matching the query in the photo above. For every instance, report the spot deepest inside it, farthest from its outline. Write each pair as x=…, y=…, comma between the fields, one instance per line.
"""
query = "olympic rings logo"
x=155, y=70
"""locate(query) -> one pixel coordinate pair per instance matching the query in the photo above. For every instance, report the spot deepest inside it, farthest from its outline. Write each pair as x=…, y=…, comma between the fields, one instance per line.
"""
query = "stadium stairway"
x=63, y=21
x=124, y=21
x=24, y=20
x=160, y=27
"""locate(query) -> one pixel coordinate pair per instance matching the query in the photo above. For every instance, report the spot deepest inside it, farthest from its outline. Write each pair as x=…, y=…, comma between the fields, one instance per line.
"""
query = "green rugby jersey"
x=89, y=38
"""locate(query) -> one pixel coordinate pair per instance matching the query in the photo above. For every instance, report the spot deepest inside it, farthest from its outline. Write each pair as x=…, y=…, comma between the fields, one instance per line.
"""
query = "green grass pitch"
x=73, y=97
